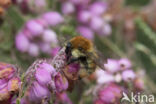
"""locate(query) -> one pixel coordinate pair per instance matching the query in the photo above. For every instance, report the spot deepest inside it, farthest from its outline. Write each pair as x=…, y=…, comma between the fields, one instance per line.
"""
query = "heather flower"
x=68, y=8
x=112, y=65
x=36, y=36
x=96, y=23
x=98, y=8
x=110, y=94
x=86, y=32
x=34, y=27
x=105, y=30
x=33, y=50
x=55, y=51
x=98, y=101
x=32, y=5
x=22, y=43
x=125, y=63
x=44, y=81
x=9, y=82
x=128, y=75
x=84, y=16
x=62, y=98
x=38, y=93
x=61, y=82
x=103, y=77
x=50, y=36
x=53, y=18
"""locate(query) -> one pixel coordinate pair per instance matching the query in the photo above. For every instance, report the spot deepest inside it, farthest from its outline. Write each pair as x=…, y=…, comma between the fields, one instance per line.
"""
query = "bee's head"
x=78, y=47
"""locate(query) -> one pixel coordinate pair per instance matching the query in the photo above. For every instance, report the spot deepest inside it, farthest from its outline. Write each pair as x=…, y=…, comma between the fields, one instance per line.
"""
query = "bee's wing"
x=99, y=63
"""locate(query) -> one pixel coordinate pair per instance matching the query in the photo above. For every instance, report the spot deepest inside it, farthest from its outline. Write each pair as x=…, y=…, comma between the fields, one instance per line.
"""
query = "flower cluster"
x=43, y=80
x=36, y=35
x=9, y=83
x=90, y=17
x=3, y=5
x=31, y=5
x=117, y=78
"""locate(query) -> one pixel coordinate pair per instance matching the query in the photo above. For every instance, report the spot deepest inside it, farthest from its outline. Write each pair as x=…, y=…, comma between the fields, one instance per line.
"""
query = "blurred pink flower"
x=98, y=8
x=22, y=43
x=86, y=32
x=34, y=27
x=110, y=94
x=53, y=18
x=96, y=23
x=125, y=63
x=103, y=77
x=68, y=8
x=112, y=65
x=84, y=16
x=98, y=101
x=33, y=50
x=105, y=30
x=128, y=75
x=50, y=36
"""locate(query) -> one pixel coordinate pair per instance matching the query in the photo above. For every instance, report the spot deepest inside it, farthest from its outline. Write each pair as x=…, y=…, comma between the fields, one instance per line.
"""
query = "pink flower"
x=22, y=43
x=63, y=97
x=110, y=94
x=84, y=16
x=38, y=93
x=45, y=47
x=43, y=76
x=98, y=101
x=33, y=50
x=112, y=65
x=103, y=77
x=128, y=75
x=125, y=63
x=61, y=82
x=49, y=68
x=67, y=8
x=34, y=27
x=53, y=18
x=98, y=8
x=105, y=30
x=96, y=23
x=50, y=36
x=86, y=32
x=55, y=51
x=9, y=82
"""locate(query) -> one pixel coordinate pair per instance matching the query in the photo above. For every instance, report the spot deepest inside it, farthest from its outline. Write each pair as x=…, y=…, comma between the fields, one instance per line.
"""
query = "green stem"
x=113, y=47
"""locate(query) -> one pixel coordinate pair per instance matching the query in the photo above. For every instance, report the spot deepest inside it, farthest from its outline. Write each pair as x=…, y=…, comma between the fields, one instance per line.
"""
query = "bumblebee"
x=80, y=50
